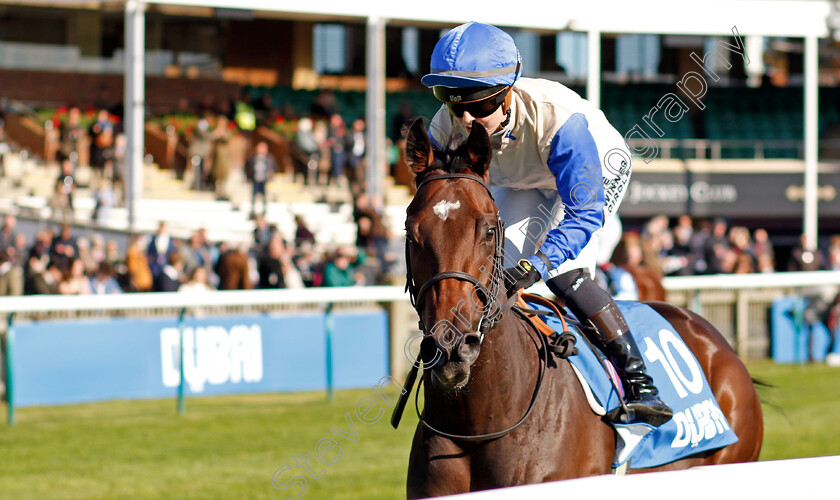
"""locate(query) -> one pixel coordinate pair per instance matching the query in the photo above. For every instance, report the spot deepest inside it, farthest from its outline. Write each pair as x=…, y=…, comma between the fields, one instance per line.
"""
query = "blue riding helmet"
x=474, y=55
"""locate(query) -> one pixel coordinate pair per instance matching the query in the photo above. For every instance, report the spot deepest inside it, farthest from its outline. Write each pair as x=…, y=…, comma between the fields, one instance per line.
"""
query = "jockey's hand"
x=520, y=276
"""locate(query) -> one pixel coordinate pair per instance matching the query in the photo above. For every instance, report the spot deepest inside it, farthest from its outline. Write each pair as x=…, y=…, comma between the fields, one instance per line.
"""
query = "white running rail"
x=752, y=281
x=811, y=478
x=133, y=301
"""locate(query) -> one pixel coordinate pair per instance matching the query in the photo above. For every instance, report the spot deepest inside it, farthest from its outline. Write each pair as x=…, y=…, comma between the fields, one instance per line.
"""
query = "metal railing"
x=738, y=305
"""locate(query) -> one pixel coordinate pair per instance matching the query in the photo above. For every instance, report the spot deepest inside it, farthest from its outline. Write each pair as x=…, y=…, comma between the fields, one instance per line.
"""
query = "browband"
x=457, y=176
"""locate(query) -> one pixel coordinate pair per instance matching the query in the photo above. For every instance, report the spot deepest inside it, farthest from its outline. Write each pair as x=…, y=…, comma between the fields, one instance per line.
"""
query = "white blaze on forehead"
x=443, y=208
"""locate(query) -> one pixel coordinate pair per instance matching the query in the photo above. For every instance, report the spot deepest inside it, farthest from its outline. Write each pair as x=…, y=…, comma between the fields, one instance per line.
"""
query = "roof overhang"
x=792, y=18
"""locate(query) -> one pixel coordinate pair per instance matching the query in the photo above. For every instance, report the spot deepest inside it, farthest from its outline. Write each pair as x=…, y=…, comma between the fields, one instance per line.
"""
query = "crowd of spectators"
x=58, y=261
x=327, y=152
x=326, y=147
x=99, y=143
x=713, y=247
x=324, y=150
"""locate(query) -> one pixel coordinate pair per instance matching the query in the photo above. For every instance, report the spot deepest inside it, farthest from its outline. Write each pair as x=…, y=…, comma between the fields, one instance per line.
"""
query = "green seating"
x=731, y=114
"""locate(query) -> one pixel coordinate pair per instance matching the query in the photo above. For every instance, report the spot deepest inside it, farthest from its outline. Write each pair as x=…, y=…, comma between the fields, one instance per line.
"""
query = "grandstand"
x=747, y=138
x=749, y=155
x=28, y=185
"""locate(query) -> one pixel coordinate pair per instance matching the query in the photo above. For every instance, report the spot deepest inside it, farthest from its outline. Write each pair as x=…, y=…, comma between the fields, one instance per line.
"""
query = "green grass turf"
x=229, y=447
x=223, y=447
x=800, y=410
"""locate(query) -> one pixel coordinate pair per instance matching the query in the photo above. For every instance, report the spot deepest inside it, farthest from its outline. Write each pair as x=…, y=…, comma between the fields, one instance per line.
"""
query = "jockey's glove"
x=520, y=276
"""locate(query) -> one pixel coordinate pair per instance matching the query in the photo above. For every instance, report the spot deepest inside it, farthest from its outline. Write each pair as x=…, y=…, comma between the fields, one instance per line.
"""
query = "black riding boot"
x=641, y=395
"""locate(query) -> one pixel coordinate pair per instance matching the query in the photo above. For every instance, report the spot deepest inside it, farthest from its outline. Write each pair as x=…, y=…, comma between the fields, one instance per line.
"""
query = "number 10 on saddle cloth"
x=698, y=424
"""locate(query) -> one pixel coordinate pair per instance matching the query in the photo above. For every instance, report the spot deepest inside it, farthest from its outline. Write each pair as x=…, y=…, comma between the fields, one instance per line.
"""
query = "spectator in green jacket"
x=342, y=269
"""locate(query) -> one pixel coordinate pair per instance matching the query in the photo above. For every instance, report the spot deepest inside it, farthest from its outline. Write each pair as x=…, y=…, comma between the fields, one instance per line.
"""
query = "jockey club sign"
x=724, y=194
x=698, y=192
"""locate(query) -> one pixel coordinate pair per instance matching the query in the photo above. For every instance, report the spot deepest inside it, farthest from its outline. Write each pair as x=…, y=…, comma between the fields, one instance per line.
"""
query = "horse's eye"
x=490, y=234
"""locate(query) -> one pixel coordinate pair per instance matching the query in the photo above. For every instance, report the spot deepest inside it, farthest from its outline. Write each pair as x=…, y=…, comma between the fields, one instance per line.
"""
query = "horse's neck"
x=501, y=380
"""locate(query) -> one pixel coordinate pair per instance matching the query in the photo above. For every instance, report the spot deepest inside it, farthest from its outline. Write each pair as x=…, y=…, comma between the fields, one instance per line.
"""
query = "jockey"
x=558, y=172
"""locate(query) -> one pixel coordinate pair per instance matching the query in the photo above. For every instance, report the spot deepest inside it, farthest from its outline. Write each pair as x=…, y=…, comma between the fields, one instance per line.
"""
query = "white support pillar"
x=134, y=99
x=811, y=130
x=375, y=113
x=593, y=70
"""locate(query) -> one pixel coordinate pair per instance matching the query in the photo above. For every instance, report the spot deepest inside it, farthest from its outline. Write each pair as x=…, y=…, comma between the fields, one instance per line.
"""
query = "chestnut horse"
x=648, y=282
x=628, y=255
x=490, y=374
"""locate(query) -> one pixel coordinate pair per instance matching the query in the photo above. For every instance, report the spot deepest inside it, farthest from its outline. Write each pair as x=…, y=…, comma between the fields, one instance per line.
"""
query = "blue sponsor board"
x=793, y=338
x=78, y=361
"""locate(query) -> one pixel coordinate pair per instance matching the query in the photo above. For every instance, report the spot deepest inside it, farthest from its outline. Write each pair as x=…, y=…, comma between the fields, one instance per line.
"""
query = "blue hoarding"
x=795, y=340
x=77, y=361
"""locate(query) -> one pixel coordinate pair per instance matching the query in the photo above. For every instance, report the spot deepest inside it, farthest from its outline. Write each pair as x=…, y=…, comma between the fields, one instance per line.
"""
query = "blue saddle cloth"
x=698, y=423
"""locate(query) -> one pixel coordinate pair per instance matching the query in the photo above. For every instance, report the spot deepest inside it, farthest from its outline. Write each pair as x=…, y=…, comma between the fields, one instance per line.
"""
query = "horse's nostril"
x=470, y=347
x=430, y=353
x=472, y=340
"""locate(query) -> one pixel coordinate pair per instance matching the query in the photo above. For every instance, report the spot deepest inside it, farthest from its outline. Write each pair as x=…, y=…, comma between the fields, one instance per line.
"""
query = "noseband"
x=492, y=312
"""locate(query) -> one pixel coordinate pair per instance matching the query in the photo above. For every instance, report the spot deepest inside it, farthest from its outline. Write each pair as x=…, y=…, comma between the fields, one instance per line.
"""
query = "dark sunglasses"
x=479, y=108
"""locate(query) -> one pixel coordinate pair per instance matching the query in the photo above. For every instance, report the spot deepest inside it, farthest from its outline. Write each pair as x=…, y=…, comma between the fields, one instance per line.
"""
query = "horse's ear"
x=418, y=147
x=478, y=147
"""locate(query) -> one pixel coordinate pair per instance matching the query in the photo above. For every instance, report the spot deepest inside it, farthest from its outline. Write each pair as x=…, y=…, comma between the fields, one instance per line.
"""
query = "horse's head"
x=453, y=252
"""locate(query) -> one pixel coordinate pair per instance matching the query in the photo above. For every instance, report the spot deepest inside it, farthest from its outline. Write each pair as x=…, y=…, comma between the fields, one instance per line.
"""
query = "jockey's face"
x=492, y=123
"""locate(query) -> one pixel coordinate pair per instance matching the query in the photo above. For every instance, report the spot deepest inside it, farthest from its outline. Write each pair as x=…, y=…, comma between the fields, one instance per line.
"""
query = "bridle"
x=492, y=312
x=488, y=319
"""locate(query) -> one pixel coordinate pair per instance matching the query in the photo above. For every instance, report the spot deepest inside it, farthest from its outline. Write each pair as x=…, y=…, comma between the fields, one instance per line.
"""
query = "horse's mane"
x=453, y=157
x=450, y=160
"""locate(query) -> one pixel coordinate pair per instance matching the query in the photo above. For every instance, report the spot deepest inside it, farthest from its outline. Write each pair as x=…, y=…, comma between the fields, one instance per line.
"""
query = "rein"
x=498, y=434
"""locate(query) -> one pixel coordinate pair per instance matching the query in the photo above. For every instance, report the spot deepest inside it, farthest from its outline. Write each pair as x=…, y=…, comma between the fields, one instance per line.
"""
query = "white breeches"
x=528, y=215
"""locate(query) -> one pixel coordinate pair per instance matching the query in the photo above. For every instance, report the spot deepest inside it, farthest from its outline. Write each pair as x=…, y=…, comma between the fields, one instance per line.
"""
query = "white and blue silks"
x=559, y=171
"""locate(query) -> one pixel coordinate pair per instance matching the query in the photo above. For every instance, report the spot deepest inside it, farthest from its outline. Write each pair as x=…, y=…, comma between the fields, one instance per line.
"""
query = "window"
x=410, y=48
x=637, y=54
x=572, y=53
x=329, y=42
x=528, y=45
